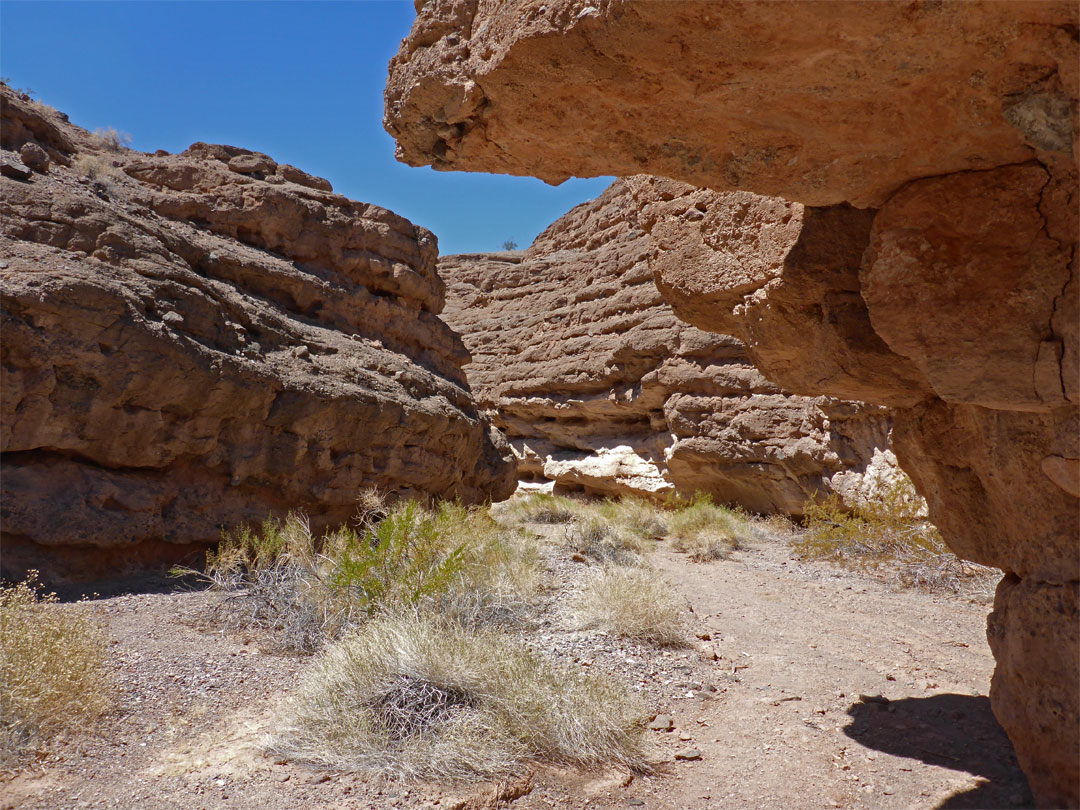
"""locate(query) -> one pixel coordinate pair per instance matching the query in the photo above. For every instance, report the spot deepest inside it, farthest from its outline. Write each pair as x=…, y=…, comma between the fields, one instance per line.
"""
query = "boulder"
x=187, y=348
x=35, y=157
x=931, y=148
x=599, y=387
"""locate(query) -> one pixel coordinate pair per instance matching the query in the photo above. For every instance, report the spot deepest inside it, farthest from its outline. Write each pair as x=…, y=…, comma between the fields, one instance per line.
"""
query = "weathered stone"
x=14, y=168
x=35, y=157
x=819, y=104
x=600, y=388
x=162, y=380
x=302, y=178
x=785, y=278
x=252, y=163
x=959, y=121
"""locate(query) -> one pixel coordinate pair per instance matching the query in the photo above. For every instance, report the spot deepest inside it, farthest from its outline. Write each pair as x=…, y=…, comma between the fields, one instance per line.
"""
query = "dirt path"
x=795, y=645
x=793, y=731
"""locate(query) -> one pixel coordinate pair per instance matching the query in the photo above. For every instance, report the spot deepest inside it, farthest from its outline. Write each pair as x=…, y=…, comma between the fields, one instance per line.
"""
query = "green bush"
x=303, y=590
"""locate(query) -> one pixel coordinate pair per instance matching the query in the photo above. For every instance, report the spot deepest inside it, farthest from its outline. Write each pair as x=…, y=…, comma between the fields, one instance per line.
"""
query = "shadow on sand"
x=958, y=732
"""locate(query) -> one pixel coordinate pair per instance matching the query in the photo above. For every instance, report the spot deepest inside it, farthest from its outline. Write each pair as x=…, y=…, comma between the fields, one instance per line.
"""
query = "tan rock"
x=598, y=387
x=187, y=348
x=959, y=121
x=822, y=103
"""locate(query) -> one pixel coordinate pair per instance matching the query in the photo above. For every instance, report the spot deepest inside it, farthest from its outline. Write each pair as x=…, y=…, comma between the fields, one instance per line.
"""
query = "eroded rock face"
x=928, y=260
x=189, y=345
x=578, y=359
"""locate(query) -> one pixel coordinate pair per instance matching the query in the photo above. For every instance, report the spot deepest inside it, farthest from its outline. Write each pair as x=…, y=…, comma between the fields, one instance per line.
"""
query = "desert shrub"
x=113, y=139
x=302, y=590
x=602, y=541
x=540, y=507
x=637, y=516
x=53, y=676
x=409, y=696
x=99, y=170
x=888, y=530
x=706, y=531
x=634, y=603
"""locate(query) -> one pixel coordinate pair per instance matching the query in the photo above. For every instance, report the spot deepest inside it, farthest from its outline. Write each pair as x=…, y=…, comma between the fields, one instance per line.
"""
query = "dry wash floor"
x=775, y=721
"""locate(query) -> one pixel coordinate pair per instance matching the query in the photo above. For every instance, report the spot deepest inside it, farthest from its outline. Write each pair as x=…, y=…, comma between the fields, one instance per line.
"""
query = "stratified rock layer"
x=581, y=363
x=955, y=301
x=192, y=342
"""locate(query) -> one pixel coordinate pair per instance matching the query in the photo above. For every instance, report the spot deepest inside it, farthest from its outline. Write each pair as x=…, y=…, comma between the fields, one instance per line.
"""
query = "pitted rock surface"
x=598, y=386
x=187, y=348
x=934, y=269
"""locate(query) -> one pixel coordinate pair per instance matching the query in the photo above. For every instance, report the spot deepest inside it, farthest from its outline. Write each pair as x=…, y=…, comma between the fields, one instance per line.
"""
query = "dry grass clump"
x=604, y=542
x=889, y=531
x=99, y=170
x=634, y=603
x=706, y=532
x=539, y=507
x=408, y=696
x=52, y=669
x=302, y=589
x=641, y=518
x=113, y=139
x=618, y=530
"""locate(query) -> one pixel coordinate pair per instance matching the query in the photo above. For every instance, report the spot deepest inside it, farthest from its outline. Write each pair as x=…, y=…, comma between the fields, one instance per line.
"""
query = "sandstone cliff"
x=578, y=359
x=194, y=341
x=937, y=273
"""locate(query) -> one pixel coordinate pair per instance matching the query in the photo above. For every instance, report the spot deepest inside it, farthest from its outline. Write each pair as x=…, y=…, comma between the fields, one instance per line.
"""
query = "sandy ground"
x=806, y=686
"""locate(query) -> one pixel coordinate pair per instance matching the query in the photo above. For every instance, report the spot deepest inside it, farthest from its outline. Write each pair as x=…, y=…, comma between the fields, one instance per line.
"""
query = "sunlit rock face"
x=196, y=341
x=599, y=387
x=927, y=262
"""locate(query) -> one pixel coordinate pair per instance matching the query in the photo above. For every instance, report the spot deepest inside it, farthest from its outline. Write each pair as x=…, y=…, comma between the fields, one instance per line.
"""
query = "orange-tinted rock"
x=973, y=249
x=597, y=385
x=187, y=348
x=959, y=121
x=782, y=276
x=823, y=102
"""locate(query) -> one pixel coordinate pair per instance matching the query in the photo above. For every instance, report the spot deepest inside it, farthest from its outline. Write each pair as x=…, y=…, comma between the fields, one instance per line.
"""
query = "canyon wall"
x=598, y=386
x=195, y=341
x=927, y=262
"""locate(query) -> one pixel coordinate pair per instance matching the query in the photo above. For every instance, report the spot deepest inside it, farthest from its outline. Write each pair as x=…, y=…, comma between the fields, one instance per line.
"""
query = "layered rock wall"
x=598, y=387
x=929, y=264
x=195, y=341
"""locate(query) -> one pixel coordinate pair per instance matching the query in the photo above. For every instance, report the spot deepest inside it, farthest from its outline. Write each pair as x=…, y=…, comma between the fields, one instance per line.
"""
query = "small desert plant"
x=408, y=696
x=604, y=541
x=303, y=590
x=547, y=509
x=888, y=530
x=642, y=518
x=634, y=603
x=52, y=668
x=113, y=139
x=99, y=170
x=706, y=531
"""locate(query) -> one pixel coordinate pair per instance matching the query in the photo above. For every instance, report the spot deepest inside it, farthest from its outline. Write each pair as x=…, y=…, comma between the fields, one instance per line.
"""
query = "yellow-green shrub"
x=53, y=676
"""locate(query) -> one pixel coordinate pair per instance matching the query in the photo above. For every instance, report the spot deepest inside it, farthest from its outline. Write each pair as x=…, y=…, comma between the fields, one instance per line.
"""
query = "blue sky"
x=301, y=81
